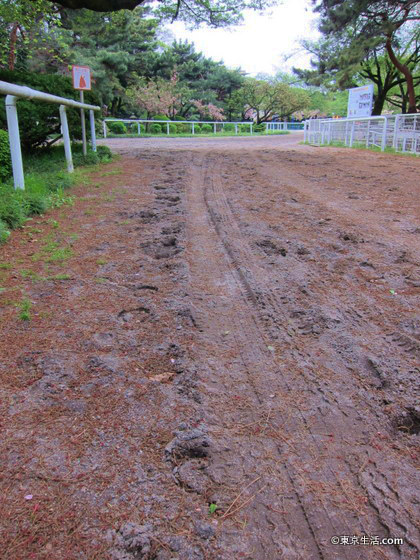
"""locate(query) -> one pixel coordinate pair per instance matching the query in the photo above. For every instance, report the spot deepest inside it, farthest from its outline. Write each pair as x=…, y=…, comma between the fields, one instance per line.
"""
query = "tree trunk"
x=407, y=74
x=378, y=104
x=12, y=49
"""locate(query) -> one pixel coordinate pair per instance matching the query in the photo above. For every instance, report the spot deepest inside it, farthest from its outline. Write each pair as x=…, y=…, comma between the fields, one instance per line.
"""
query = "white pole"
x=167, y=129
x=236, y=128
x=193, y=129
x=383, y=143
x=82, y=117
x=367, y=134
x=351, y=134
x=214, y=128
x=92, y=129
x=66, y=138
x=14, y=140
x=251, y=128
x=395, y=138
x=138, y=128
x=104, y=127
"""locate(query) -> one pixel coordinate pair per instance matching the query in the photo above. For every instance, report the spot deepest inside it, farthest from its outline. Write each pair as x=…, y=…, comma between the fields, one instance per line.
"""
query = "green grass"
x=25, y=307
x=46, y=185
x=362, y=146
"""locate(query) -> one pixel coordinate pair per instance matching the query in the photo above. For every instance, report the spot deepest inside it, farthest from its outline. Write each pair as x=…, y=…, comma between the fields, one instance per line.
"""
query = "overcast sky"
x=262, y=42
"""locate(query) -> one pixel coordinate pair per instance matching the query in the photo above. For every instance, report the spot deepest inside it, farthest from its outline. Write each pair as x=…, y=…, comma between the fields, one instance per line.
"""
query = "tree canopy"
x=365, y=25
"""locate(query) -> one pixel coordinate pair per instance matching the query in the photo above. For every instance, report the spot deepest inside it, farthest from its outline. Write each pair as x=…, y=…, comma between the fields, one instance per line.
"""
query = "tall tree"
x=335, y=65
x=373, y=23
x=263, y=100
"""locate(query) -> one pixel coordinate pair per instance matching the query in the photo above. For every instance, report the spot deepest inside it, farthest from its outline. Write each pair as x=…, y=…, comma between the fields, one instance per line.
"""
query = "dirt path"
x=240, y=327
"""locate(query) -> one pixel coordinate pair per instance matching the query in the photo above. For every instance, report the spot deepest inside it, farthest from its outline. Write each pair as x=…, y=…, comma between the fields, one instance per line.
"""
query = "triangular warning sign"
x=82, y=82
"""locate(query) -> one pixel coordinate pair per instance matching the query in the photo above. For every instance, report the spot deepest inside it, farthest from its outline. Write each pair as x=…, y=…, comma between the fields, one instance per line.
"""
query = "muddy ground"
x=227, y=322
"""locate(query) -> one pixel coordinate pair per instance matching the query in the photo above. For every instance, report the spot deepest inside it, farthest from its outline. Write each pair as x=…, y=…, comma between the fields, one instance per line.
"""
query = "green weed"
x=25, y=307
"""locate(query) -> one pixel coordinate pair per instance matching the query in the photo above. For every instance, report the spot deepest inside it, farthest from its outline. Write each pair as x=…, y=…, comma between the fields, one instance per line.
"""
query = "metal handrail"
x=14, y=92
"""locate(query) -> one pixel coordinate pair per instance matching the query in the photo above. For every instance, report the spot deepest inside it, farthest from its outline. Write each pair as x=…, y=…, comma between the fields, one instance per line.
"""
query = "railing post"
x=92, y=129
x=138, y=128
x=167, y=129
x=395, y=137
x=266, y=127
x=82, y=118
x=236, y=129
x=352, y=134
x=214, y=128
x=66, y=138
x=14, y=141
x=193, y=129
x=383, y=143
x=251, y=128
x=104, y=128
x=367, y=134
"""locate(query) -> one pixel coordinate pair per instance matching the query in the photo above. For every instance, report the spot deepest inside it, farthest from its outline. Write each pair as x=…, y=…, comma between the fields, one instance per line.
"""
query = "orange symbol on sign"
x=82, y=82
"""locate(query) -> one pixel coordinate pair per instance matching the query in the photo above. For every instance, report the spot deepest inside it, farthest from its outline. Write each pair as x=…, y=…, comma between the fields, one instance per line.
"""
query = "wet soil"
x=235, y=322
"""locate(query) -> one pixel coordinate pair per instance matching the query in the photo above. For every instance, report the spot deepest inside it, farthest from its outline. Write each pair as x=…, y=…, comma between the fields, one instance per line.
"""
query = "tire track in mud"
x=250, y=276
x=249, y=328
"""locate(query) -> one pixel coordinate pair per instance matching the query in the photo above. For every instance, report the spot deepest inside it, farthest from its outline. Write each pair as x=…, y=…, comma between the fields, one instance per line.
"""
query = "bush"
x=39, y=121
x=104, y=153
x=206, y=128
x=183, y=128
x=4, y=232
x=229, y=127
x=179, y=118
x=34, y=203
x=117, y=127
x=133, y=128
x=11, y=209
x=197, y=129
x=172, y=128
x=160, y=118
x=259, y=127
x=5, y=161
x=155, y=128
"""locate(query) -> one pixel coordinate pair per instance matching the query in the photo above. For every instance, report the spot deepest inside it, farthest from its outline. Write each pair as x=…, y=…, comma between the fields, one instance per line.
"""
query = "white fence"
x=400, y=132
x=13, y=92
x=218, y=126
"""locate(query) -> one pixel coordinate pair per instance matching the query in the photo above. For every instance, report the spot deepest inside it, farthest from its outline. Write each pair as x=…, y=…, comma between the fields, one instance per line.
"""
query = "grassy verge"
x=362, y=146
x=46, y=185
x=198, y=135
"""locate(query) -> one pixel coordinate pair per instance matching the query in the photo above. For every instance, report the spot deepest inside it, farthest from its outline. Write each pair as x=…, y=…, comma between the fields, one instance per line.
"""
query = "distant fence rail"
x=400, y=132
x=218, y=126
x=14, y=92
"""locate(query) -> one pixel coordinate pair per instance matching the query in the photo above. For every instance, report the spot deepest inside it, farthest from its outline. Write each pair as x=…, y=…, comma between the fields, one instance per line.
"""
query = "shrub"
x=206, y=128
x=4, y=232
x=155, y=128
x=160, y=118
x=229, y=127
x=104, y=153
x=117, y=127
x=5, y=161
x=183, y=128
x=39, y=121
x=34, y=203
x=197, y=129
x=11, y=209
x=259, y=127
x=172, y=128
x=179, y=118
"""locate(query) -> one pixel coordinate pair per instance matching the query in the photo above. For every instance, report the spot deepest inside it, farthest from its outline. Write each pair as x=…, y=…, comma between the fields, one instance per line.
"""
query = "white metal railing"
x=168, y=123
x=283, y=125
x=13, y=92
x=401, y=132
x=269, y=126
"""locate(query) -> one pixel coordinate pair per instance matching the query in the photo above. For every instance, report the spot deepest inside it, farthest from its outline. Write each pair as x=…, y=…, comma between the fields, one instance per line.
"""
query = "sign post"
x=82, y=81
x=360, y=101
